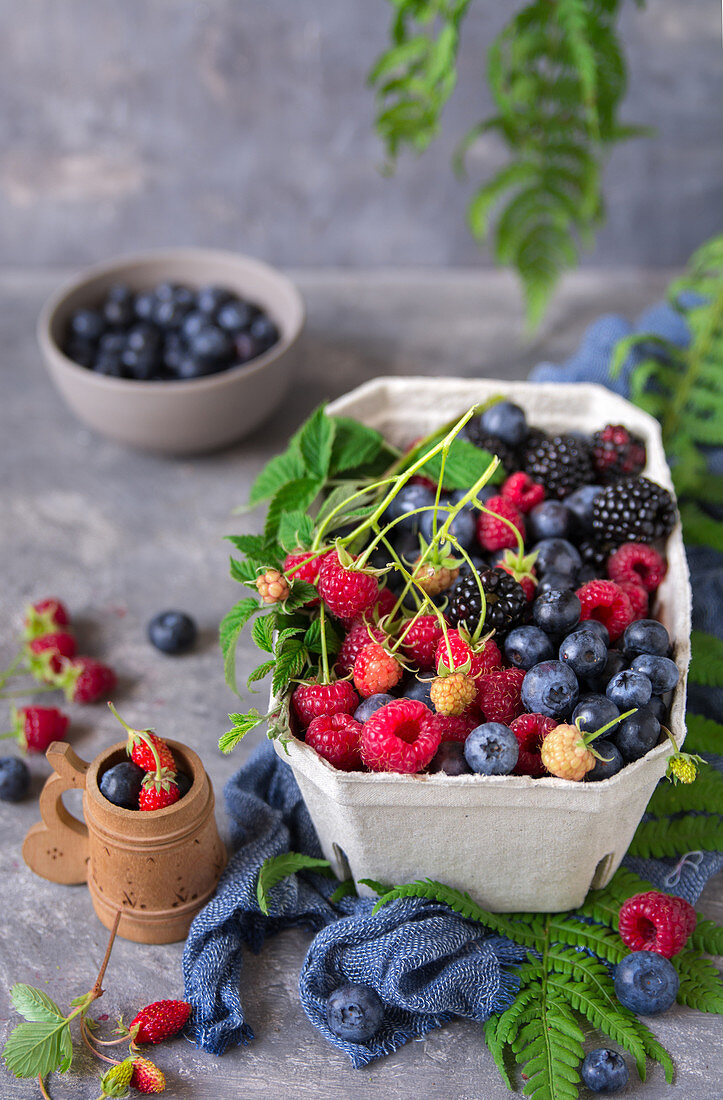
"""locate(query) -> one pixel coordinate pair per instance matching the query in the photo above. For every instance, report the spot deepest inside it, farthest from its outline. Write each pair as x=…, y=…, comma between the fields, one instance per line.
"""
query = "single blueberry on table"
x=550, y=688
x=122, y=783
x=609, y=764
x=14, y=779
x=450, y=759
x=549, y=520
x=526, y=646
x=354, y=1012
x=491, y=749
x=646, y=983
x=556, y=612
x=597, y=628
x=629, y=689
x=593, y=712
x=636, y=735
x=580, y=504
x=371, y=705
x=661, y=671
x=556, y=555
x=584, y=652
x=506, y=421
x=646, y=636
x=604, y=1070
x=172, y=632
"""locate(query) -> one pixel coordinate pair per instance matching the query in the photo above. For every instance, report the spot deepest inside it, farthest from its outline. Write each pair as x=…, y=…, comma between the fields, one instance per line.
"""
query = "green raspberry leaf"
x=296, y=530
x=315, y=440
x=245, y=572
x=242, y=724
x=261, y=672
x=296, y=495
x=262, y=632
x=355, y=445
x=278, y=472
x=301, y=593
x=231, y=626
x=465, y=463
x=290, y=661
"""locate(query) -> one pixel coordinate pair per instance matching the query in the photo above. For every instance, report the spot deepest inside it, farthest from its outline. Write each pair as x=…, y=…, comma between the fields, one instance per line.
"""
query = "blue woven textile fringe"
x=426, y=962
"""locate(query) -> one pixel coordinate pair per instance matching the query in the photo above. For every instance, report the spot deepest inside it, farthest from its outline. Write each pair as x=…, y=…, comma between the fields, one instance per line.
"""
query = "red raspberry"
x=530, y=731
x=420, y=640
x=336, y=738
x=493, y=533
x=50, y=650
x=159, y=789
x=312, y=700
x=360, y=634
x=656, y=922
x=158, y=1021
x=36, y=727
x=455, y=727
x=483, y=657
x=85, y=680
x=401, y=737
x=303, y=565
x=384, y=604
x=638, y=598
x=347, y=592
x=498, y=694
x=523, y=492
x=606, y=602
x=375, y=671
x=637, y=563
x=45, y=617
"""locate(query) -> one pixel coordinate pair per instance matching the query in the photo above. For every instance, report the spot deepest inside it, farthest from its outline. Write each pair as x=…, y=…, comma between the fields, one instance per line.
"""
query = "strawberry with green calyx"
x=521, y=568
x=566, y=751
x=45, y=617
x=159, y=1021
x=35, y=728
x=682, y=767
x=158, y=790
x=145, y=747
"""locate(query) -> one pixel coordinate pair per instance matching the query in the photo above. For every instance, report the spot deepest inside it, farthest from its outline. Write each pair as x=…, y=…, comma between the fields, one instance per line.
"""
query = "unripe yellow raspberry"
x=453, y=694
x=273, y=586
x=434, y=579
x=565, y=754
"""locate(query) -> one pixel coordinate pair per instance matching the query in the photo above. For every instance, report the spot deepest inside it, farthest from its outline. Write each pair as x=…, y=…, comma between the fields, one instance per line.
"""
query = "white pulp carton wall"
x=514, y=843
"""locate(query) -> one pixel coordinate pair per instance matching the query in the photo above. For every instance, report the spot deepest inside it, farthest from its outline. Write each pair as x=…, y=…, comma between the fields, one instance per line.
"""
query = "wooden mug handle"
x=57, y=847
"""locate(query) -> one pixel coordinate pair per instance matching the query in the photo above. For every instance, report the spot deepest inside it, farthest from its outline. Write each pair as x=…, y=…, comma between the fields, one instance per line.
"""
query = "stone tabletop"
x=120, y=535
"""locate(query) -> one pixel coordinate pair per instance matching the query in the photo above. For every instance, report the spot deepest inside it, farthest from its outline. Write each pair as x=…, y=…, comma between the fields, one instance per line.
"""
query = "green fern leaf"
x=607, y=945
x=704, y=735
x=660, y=837
x=708, y=937
x=700, y=982
x=497, y=1049
x=705, y=794
x=706, y=665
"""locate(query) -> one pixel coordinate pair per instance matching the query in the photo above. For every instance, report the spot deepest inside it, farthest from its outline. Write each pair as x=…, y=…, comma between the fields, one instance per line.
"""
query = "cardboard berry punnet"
x=512, y=842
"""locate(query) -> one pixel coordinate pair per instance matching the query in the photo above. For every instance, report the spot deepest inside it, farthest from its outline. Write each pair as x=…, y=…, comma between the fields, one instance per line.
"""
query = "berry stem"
x=43, y=1091
x=483, y=598
x=86, y=1039
x=324, y=654
x=18, y=693
x=344, y=507
x=10, y=670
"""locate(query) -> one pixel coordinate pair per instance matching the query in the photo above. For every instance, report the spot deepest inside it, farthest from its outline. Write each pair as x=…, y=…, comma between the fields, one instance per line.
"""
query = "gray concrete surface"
x=249, y=125
x=120, y=535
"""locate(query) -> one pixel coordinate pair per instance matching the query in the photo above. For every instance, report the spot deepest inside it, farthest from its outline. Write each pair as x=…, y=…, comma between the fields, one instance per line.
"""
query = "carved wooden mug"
x=159, y=867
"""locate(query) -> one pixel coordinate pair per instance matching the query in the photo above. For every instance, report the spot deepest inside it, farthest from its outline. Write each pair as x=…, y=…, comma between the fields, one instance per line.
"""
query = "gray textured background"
x=247, y=124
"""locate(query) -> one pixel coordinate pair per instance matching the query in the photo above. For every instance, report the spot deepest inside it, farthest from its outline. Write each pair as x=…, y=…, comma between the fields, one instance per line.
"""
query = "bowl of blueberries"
x=179, y=352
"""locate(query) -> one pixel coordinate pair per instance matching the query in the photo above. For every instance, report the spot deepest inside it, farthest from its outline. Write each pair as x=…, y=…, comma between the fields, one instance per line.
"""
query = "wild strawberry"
x=346, y=591
x=637, y=563
x=564, y=753
x=419, y=641
x=158, y=790
x=272, y=586
x=85, y=680
x=453, y=693
x=375, y=670
x=459, y=648
x=530, y=731
x=522, y=568
x=499, y=694
x=523, y=492
x=360, y=633
x=158, y=1021
x=147, y=1077
x=45, y=617
x=433, y=577
x=34, y=728
x=606, y=602
x=638, y=599
x=309, y=701
x=400, y=737
x=116, y=1080
x=141, y=744
x=656, y=922
x=336, y=737
x=46, y=654
x=495, y=531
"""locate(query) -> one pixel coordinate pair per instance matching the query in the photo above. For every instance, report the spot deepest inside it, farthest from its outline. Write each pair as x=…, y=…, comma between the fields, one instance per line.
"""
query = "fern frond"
x=700, y=982
x=704, y=795
x=607, y=945
x=497, y=1048
x=660, y=837
x=704, y=735
x=708, y=937
x=706, y=665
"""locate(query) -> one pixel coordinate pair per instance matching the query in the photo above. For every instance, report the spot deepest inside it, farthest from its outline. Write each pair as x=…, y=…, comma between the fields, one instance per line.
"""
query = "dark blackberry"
x=633, y=510
x=562, y=464
x=617, y=453
x=595, y=554
x=507, y=455
x=507, y=604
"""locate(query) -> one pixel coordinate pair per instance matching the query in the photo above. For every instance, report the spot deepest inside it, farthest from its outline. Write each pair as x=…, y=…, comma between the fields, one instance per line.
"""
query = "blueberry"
x=661, y=671
x=450, y=759
x=144, y=305
x=121, y=784
x=172, y=631
x=658, y=706
x=629, y=689
x=235, y=316
x=184, y=783
x=505, y=421
x=491, y=749
x=637, y=734
x=88, y=324
x=143, y=337
x=170, y=314
x=211, y=298
x=526, y=646
x=594, y=712
x=596, y=627
x=14, y=779
x=371, y=705
x=264, y=332
x=110, y=365
x=354, y=1012
x=112, y=343
x=190, y=366
x=556, y=612
x=604, y=1070
x=615, y=663
x=407, y=500
x=580, y=504
x=246, y=347
x=556, y=582
x=646, y=983
x=173, y=352
x=82, y=352
x=118, y=310
x=550, y=688
x=419, y=689
x=646, y=636
x=549, y=520
x=463, y=526
x=166, y=292
x=556, y=555
x=584, y=652
x=140, y=365
x=193, y=322
x=211, y=343
x=609, y=764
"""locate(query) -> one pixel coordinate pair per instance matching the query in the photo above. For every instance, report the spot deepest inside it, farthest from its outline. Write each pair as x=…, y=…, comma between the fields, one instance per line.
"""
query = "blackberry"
x=617, y=453
x=507, y=455
x=633, y=510
x=507, y=604
x=562, y=464
x=595, y=554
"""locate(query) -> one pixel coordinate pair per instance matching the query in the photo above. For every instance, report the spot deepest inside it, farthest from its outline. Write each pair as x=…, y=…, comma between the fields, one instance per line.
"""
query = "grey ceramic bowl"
x=176, y=417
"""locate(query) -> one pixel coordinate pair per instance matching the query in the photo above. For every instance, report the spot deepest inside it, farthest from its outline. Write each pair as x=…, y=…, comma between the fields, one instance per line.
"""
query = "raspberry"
x=638, y=598
x=85, y=680
x=419, y=641
x=147, y=1077
x=272, y=586
x=347, y=592
x=434, y=579
x=453, y=694
x=454, y=727
x=47, y=652
x=312, y=700
x=482, y=657
x=637, y=563
x=656, y=922
x=45, y=617
x=606, y=602
x=359, y=635
x=37, y=727
x=523, y=492
x=336, y=738
x=498, y=694
x=617, y=453
x=159, y=790
x=492, y=531
x=375, y=670
x=304, y=566
x=400, y=737
x=530, y=731
x=384, y=604
x=565, y=754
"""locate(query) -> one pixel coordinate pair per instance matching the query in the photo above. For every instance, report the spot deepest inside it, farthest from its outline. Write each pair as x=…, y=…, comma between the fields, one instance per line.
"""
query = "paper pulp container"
x=514, y=843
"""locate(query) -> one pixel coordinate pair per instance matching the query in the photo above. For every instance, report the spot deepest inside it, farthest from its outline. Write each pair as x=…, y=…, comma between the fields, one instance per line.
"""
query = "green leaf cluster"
x=43, y=1043
x=276, y=868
